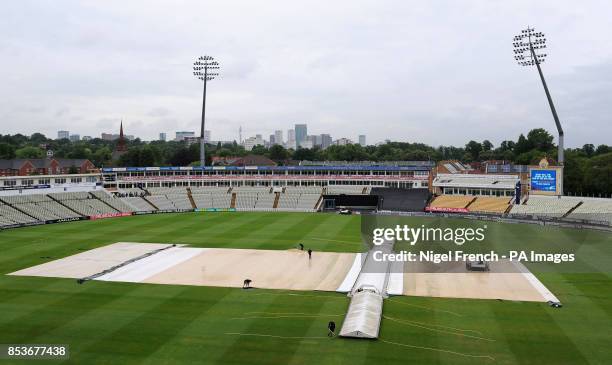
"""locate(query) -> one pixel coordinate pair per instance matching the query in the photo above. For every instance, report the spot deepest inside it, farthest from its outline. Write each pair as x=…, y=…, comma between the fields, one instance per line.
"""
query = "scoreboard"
x=546, y=180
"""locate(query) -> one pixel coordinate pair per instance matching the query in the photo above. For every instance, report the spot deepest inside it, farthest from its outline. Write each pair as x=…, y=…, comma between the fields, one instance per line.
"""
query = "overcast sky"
x=438, y=72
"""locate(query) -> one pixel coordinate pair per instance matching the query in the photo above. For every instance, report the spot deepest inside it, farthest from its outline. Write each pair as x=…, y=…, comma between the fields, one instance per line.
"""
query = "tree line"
x=588, y=170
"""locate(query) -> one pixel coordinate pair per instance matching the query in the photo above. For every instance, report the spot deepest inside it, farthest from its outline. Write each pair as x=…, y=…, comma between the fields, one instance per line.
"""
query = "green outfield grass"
x=124, y=323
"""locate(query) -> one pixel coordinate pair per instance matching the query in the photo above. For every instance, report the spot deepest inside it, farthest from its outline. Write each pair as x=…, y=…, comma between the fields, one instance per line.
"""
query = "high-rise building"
x=362, y=140
x=162, y=137
x=307, y=143
x=181, y=135
x=312, y=141
x=251, y=142
x=75, y=137
x=272, y=140
x=63, y=134
x=291, y=139
x=108, y=136
x=301, y=131
x=278, y=137
x=343, y=142
x=326, y=141
x=86, y=138
x=207, y=136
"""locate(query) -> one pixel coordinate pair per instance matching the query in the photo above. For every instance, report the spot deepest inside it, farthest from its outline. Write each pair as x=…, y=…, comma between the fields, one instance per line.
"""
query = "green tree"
x=540, y=139
x=102, y=156
x=38, y=138
x=7, y=151
x=473, y=149
x=598, y=174
x=588, y=149
x=522, y=145
x=487, y=145
x=30, y=152
x=259, y=150
x=602, y=148
x=305, y=154
x=278, y=153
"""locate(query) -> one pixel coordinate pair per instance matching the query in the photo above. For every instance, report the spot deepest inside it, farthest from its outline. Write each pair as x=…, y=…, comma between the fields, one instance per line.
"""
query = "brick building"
x=46, y=166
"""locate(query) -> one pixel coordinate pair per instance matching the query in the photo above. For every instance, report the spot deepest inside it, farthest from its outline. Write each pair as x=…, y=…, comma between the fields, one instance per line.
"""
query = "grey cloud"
x=437, y=72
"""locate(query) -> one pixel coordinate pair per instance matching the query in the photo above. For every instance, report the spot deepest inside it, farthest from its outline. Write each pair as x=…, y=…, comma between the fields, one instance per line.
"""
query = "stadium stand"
x=130, y=192
x=39, y=206
x=451, y=201
x=83, y=203
x=288, y=201
x=490, y=205
x=169, y=198
x=265, y=200
x=347, y=189
x=407, y=200
x=303, y=190
x=245, y=200
x=299, y=198
x=161, y=202
x=593, y=209
x=114, y=202
x=10, y=216
x=307, y=202
x=545, y=206
x=138, y=204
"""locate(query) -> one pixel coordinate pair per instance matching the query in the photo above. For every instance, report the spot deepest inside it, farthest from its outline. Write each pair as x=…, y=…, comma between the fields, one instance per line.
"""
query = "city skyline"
x=305, y=140
x=437, y=75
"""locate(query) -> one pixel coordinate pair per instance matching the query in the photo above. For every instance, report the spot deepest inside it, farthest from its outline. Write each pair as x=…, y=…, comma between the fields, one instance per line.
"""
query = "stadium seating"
x=303, y=189
x=38, y=212
x=161, y=202
x=58, y=209
x=265, y=200
x=211, y=197
x=138, y=204
x=83, y=203
x=288, y=201
x=347, y=189
x=307, y=202
x=173, y=198
x=39, y=206
x=222, y=200
x=245, y=200
x=130, y=192
x=114, y=202
x=489, y=205
x=451, y=201
x=545, y=206
x=593, y=209
x=10, y=216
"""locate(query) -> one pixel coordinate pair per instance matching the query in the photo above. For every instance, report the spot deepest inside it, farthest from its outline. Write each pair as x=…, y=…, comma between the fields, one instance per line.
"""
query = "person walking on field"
x=309, y=254
x=331, y=326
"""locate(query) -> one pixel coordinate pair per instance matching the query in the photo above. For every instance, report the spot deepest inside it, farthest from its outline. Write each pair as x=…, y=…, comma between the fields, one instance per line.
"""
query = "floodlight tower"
x=205, y=68
x=533, y=42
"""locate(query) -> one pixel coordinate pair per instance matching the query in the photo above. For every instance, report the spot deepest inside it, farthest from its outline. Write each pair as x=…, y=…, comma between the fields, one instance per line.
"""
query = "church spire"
x=121, y=147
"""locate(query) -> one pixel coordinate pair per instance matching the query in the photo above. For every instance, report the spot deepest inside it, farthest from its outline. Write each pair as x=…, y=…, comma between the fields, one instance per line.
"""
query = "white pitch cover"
x=140, y=270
